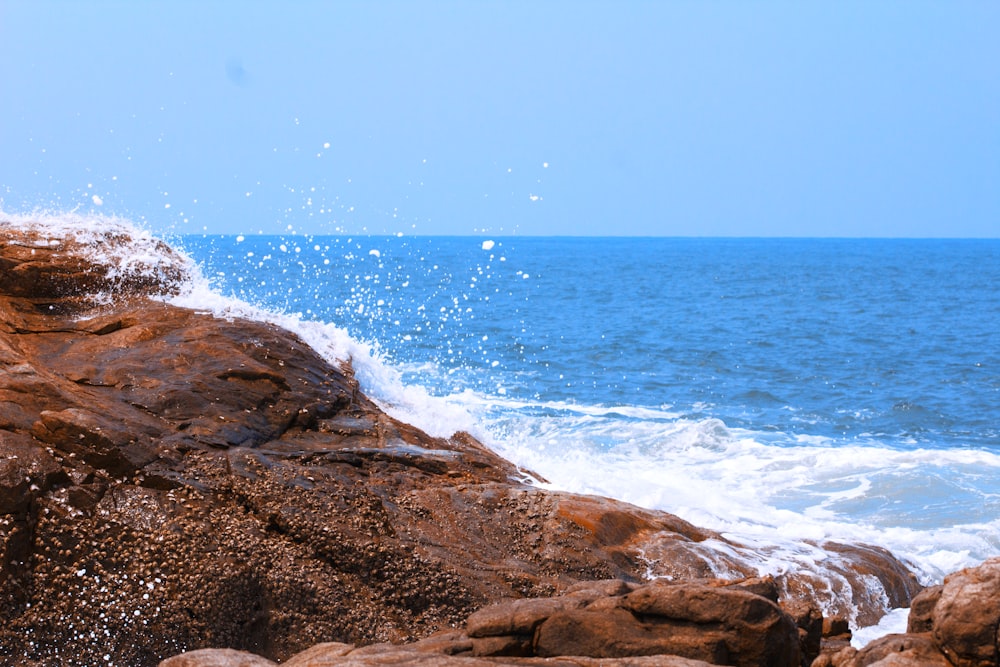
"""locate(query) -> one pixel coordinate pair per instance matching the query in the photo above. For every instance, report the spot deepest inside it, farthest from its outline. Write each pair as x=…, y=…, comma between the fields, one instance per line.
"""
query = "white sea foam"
x=892, y=623
x=779, y=501
x=730, y=481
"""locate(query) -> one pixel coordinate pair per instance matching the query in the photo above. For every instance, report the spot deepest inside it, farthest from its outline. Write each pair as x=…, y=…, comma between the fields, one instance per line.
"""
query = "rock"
x=171, y=481
x=26, y=471
x=505, y=646
x=836, y=626
x=863, y=583
x=617, y=633
x=754, y=630
x=338, y=655
x=447, y=642
x=217, y=657
x=917, y=650
x=398, y=656
x=967, y=614
x=320, y=655
x=709, y=621
x=836, y=637
x=952, y=624
x=922, y=609
x=518, y=617
x=591, y=590
x=809, y=621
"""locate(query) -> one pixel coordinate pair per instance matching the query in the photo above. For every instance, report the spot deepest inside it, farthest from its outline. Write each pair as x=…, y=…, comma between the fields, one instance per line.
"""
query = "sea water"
x=775, y=390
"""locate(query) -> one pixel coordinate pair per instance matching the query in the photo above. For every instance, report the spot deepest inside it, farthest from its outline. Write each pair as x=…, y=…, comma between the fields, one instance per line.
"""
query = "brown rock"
x=809, y=620
x=835, y=658
x=592, y=590
x=951, y=624
x=505, y=646
x=406, y=656
x=966, y=617
x=865, y=582
x=718, y=625
x=835, y=626
x=836, y=638
x=26, y=471
x=617, y=633
x=517, y=617
x=447, y=642
x=917, y=650
x=766, y=587
x=922, y=610
x=320, y=655
x=217, y=657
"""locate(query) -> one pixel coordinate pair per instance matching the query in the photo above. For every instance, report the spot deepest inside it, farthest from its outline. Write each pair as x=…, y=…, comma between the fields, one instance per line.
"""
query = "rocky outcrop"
x=172, y=481
x=594, y=623
x=697, y=623
x=952, y=625
x=718, y=624
x=341, y=655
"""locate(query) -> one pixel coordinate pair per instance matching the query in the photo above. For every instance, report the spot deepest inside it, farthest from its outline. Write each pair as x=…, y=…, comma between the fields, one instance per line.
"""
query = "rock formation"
x=594, y=623
x=954, y=624
x=172, y=481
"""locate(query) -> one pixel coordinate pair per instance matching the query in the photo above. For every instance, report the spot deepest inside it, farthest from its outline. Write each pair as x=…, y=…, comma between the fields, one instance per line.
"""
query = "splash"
x=129, y=253
x=130, y=258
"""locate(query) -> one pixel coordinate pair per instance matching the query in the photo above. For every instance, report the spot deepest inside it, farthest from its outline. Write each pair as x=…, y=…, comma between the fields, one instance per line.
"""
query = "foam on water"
x=737, y=482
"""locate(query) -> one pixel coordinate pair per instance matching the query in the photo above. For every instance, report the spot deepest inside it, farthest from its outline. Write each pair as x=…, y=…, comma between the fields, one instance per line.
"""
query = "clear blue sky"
x=423, y=117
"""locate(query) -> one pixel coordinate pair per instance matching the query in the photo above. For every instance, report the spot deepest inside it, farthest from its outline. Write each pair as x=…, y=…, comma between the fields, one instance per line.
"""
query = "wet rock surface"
x=954, y=624
x=172, y=481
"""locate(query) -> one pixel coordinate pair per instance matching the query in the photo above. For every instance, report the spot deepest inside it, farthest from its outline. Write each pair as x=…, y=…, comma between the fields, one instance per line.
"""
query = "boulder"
x=966, y=616
x=909, y=650
x=714, y=621
x=337, y=655
x=953, y=624
x=809, y=621
x=218, y=657
x=518, y=617
x=922, y=606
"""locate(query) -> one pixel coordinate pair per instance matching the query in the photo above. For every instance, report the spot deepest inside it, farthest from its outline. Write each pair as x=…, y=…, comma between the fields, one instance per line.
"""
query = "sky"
x=664, y=118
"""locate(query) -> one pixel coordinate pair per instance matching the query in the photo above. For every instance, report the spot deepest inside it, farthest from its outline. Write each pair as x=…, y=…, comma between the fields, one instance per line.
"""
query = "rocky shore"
x=195, y=490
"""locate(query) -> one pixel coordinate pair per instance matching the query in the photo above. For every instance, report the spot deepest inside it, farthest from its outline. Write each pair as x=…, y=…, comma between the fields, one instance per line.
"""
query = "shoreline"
x=174, y=481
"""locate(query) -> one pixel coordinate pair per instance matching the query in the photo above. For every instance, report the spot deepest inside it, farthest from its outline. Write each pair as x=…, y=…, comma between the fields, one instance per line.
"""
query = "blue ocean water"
x=895, y=342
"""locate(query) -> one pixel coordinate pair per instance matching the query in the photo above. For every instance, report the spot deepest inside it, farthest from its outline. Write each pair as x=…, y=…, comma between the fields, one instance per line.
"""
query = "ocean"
x=776, y=390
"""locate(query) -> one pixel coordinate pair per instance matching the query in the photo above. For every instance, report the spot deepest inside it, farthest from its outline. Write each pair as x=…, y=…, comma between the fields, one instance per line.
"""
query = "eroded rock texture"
x=954, y=624
x=171, y=481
